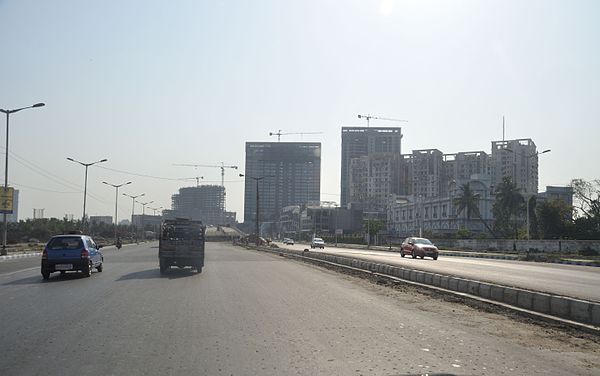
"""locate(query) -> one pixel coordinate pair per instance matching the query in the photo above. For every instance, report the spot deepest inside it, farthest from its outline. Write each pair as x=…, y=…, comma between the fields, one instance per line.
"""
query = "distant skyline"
x=150, y=84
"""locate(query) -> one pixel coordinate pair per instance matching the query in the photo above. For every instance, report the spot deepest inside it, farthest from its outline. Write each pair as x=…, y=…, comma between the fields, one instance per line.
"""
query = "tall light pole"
x=133, y=206
x=154, y=215
x=8, y=112
x=116, y=186
x=143, y=217
x=256, y=179
x=528, y=194
x=86, y=165
x=154, y=210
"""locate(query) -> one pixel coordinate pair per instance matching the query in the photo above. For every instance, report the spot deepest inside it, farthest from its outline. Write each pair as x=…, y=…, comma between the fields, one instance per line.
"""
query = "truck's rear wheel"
x=163, y=266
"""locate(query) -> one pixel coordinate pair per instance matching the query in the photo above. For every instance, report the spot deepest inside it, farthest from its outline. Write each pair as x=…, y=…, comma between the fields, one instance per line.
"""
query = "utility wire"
x=41, y=189
x=50, y=176
x=160, y=177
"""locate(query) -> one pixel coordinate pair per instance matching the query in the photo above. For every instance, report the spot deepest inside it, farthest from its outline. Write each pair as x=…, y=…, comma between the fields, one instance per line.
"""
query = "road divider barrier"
x=576, y=310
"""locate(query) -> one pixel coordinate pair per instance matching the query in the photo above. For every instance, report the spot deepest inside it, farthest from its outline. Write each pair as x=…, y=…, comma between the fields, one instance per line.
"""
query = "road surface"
x=569, y=280
x=252, y=313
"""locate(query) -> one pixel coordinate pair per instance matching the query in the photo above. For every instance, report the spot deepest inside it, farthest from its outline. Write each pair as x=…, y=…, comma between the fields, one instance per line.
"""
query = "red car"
x=420, y=247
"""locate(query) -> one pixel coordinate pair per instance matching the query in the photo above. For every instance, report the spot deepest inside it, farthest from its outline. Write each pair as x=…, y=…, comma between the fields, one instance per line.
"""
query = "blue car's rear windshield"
x=65, y=243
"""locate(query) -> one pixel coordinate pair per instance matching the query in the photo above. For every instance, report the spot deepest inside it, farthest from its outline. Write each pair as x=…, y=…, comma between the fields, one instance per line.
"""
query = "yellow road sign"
x=6, y=200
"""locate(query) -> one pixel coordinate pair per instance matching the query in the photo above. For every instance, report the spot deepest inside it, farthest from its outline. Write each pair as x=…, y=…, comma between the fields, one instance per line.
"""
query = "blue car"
x=71, y=253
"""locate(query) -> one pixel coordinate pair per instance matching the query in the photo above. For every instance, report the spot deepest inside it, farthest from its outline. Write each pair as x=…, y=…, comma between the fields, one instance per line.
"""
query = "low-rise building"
x=410, y=215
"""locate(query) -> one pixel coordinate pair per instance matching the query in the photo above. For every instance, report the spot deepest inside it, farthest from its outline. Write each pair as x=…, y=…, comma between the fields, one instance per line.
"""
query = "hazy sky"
x=148, y=84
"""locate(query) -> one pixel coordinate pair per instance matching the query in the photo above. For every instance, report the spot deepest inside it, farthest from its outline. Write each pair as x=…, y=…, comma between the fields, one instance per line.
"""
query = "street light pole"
x=86, y=165
x=257, y=204
x=133, y=207
x=528, y=194
x=8, y=112
x=116, y=186
x=144, y=217
x=154, y=210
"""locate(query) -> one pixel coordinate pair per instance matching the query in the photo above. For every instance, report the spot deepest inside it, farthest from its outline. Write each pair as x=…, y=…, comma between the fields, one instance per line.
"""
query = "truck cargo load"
x=181, y=244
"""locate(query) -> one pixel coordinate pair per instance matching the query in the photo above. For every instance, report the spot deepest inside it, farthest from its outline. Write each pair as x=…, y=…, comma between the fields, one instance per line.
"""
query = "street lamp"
x=154, y=215
x=116, y=186
x=133, y=206
x=528, y=194
x=143, y=216
x=8, y=112
x=86, y=165
x=154, y=210
x=257, y=202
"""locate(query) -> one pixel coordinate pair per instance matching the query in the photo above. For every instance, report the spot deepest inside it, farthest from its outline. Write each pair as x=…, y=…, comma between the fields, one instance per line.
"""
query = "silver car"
x=317, y=243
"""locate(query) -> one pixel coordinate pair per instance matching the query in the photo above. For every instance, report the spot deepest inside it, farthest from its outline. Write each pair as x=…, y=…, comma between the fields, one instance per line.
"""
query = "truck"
x=181, y=244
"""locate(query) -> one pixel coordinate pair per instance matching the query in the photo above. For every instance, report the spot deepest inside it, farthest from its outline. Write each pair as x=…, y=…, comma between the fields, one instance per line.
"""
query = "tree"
x=372, y=227
x=468, y=202
x=587, y=204
x=534, y=230
x=554, y=218
x=587, y=197
x=508, y=206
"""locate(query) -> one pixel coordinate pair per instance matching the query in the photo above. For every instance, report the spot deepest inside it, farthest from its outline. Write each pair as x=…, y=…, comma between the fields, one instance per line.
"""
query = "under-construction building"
x=286, y=174
x=378, y=152
x=518, y=160
x=204, y=202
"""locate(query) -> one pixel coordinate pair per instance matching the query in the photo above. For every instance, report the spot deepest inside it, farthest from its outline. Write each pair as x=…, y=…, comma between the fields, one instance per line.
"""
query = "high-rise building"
x=205, y=203
x=360, y=142
x=427, y=173
x=372, y=179
x=517, y=159
x=289, y=173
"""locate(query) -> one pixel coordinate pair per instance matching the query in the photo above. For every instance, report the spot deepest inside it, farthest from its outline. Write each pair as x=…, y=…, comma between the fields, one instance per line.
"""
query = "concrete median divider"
x=473, y=288
x=525, y=299
x=463, y=285
x=575, y=310
x=445, y=282
x=559, y=306
x=485, y=290
x=541, y=302
x=510, y=296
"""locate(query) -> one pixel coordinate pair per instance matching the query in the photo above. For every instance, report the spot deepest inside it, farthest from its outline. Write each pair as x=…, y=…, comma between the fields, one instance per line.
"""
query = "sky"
x=150, y=84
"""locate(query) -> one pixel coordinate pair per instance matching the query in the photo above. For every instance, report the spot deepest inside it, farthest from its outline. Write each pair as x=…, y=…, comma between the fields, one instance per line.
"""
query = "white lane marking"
x=3, y=275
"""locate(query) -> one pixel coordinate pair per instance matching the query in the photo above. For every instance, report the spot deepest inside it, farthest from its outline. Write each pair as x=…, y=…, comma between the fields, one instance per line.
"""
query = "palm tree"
x=468, y=202
x=509, y=204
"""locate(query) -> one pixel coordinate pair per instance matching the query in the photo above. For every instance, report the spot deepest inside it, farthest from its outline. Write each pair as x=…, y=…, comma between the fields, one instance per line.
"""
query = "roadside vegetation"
x=31, y=234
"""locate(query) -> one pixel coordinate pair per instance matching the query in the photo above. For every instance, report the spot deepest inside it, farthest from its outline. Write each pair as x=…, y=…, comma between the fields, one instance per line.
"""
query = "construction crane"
x=369, y=117
x=194, y=177
x=279, y=134
x=222, y=167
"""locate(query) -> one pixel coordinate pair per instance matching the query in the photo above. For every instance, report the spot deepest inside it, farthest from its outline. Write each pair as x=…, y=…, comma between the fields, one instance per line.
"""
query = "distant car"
x=71, y=253
x=420, y=247
x=317, y=243
x=288, y=241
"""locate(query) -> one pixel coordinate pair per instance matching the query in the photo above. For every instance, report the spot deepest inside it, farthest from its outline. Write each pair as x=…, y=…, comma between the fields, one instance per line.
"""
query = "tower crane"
x=222, y=167
x=279, y=134
x=194, y=177
x=369, y=117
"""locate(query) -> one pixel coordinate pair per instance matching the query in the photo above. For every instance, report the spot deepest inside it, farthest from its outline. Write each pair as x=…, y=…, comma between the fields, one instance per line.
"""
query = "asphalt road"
x=251, y=313
x=568, y=280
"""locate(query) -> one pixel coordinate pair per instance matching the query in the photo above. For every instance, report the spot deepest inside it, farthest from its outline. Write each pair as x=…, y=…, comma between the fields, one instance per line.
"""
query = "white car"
x=288, y=241
x=317, y=243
